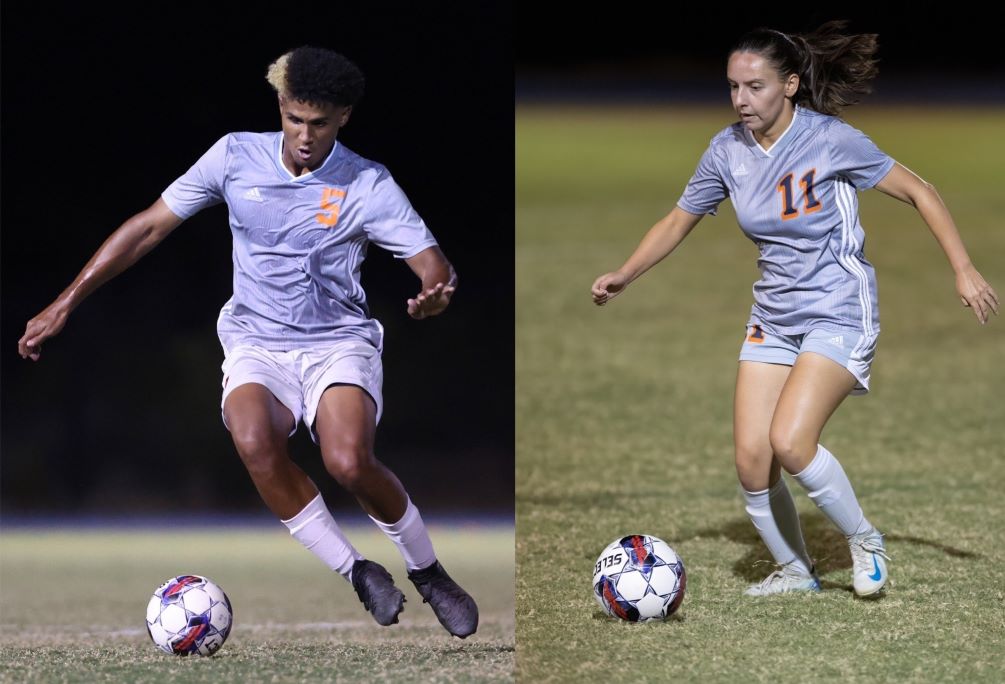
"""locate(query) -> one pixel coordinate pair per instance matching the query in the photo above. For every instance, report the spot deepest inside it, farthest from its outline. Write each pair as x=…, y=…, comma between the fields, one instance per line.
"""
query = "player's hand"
x=431, y=302
x=43, y=326
x=608, y=286
x=975, y=292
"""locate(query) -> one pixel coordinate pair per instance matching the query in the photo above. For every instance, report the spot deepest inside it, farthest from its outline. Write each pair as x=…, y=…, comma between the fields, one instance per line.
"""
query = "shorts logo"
x=331, y=201
x=756, y=335
x=837, y=341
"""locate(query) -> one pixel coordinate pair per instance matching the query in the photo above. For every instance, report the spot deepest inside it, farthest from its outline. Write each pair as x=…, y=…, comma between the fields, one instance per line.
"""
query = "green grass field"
x=624, y=415
x=72, y=608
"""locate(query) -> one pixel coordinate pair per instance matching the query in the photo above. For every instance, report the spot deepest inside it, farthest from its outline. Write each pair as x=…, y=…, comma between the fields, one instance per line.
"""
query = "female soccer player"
x=792, y=168
x=297, y=336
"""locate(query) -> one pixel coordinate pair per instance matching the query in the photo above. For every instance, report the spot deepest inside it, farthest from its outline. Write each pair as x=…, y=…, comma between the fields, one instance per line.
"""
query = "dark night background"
x=103, y=109
x=676, y=52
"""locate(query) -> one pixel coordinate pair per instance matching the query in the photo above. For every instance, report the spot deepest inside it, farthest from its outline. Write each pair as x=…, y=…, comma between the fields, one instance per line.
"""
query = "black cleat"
x=454, y=607
x=375, y=588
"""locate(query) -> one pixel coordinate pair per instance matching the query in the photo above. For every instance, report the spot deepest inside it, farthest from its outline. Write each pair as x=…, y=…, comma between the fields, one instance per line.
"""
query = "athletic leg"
x=346, y=424
x=815, y=388
x=758, y=386
x=813, y=391
x=768, y=501
x=260, y=426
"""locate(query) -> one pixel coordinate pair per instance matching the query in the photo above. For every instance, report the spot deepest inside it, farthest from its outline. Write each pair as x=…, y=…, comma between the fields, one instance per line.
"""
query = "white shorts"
x=298, y=378
x=849, y=349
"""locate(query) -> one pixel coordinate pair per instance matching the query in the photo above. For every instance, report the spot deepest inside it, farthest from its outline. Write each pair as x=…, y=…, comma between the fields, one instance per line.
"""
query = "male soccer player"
x=297, y=336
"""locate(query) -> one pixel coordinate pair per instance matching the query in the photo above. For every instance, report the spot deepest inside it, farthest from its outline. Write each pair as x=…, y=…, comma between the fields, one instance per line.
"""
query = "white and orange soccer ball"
x=189, y=614
x=639, y=578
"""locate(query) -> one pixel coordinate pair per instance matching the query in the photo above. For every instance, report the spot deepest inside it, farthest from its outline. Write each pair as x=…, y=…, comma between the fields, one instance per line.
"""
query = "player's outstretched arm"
x=657, y=244
x=439, y=281
x=973, y=290
x=123, y=248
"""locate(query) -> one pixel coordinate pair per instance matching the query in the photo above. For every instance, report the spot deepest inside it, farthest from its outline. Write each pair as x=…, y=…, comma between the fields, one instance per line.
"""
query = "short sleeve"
x=706, y=189
x=855, y=156
x=202, y=185
x=391, y=221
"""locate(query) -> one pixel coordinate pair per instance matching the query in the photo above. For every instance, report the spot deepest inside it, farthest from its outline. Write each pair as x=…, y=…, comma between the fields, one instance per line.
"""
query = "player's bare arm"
x=123, y=248
x=974, y=291
x=658, y=243
x=439, y=281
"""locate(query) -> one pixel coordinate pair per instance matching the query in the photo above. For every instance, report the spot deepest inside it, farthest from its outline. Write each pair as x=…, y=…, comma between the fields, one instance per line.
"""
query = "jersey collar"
x=289, y=174
x=782, y=139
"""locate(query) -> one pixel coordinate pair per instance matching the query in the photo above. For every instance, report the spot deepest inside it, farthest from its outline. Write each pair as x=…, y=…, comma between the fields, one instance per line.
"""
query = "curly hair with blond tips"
x=316, y=75
x=834, y=68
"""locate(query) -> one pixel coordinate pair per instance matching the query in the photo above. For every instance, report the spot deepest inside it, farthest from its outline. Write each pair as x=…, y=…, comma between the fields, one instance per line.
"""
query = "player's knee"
x=789, y=447
x=752, y=452
x=753, y=465
x=349, y=463
x=260, y=450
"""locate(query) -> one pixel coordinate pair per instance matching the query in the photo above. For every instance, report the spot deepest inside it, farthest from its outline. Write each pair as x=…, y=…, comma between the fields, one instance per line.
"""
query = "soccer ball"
x=639, y=578
x=189, y=614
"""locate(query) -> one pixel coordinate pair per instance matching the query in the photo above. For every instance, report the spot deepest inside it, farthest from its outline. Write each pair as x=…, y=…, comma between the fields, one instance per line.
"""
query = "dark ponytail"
x=834, y=68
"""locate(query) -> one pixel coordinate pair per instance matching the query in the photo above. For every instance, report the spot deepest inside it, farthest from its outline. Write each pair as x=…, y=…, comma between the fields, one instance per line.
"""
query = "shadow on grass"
x=827, y=546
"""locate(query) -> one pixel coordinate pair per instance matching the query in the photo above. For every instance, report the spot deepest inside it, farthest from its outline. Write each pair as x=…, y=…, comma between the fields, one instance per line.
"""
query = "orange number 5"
x=328, y=204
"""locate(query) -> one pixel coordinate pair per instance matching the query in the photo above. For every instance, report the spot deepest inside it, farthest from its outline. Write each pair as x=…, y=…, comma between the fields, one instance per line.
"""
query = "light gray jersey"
x=797, y=201
x=299, y=242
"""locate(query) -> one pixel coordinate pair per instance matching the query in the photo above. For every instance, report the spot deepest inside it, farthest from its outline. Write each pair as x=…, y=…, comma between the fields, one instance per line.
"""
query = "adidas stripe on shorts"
x=850, y=349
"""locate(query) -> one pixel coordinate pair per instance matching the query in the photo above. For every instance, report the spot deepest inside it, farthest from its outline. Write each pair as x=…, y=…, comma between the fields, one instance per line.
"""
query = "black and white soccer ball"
x=189, y=614
x=639, y=578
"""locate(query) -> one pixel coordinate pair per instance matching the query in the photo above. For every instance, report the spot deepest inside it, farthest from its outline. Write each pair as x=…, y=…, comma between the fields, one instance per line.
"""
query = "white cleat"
x=785, y=581
x=868, y=556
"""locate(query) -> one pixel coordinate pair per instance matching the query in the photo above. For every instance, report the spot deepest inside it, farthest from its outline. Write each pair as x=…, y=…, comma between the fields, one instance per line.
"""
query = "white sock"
x=411, y=538
x=774, y=515
x=315, y=528
x=828, y=486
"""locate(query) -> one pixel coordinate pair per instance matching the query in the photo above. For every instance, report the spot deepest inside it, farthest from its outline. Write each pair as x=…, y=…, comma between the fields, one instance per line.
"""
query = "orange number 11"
x=810, y=202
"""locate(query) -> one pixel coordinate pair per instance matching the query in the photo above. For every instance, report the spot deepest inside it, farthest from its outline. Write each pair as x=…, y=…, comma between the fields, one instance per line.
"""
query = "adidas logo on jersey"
x=253, y=195
x=740, y=171
x=838, y=341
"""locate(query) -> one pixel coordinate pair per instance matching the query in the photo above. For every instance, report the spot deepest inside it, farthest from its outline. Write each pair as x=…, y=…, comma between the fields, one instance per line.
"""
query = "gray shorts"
x=850, y=349
x=298, y=378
